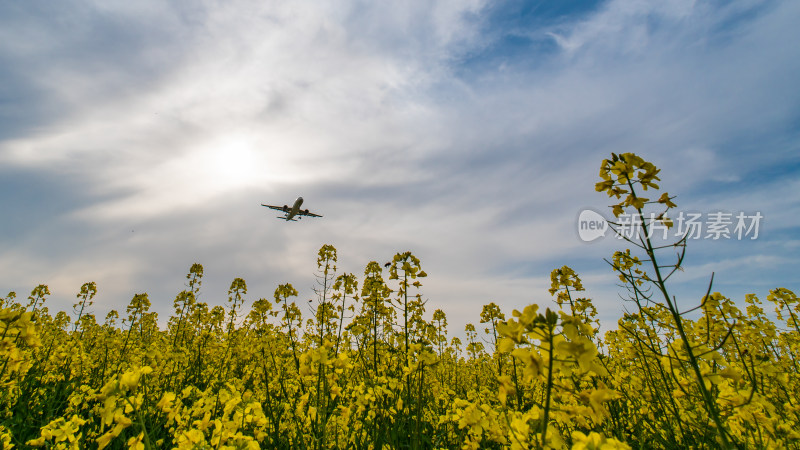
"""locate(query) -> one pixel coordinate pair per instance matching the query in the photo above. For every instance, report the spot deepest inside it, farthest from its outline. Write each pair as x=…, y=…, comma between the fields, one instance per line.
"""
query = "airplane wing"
x=304, y=212
x=279, y=208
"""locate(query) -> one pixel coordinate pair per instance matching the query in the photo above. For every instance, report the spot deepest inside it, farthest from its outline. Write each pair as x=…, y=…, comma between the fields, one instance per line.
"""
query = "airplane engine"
x=285, y=208
x=306, y=211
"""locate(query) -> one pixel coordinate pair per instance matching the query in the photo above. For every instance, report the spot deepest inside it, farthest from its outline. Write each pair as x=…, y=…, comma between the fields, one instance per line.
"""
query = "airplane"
x=293, y=211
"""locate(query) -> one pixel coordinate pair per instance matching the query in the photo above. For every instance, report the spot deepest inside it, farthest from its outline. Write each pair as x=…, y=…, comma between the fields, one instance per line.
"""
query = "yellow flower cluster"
x=17, y=337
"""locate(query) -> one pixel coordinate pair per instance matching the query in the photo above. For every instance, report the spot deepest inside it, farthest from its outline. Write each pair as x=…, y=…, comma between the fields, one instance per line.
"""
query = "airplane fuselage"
x=295, y=208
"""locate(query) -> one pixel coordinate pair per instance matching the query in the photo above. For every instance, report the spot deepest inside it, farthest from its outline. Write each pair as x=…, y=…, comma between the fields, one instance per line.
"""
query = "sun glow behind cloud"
x=218, y=167
x=231, y=163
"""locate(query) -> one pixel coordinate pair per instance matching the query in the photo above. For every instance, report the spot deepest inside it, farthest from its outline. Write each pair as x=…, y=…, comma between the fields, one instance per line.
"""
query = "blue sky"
x=139, y=138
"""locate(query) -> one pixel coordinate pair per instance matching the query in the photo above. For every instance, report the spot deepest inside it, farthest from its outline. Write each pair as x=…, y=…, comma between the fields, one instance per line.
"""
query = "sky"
x=137, y=138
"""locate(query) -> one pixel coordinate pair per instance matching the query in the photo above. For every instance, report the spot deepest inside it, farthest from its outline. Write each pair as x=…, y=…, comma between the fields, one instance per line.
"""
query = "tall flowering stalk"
x=622, y=176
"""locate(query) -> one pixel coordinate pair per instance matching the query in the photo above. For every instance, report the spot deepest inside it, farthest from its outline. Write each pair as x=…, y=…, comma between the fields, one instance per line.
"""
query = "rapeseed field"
x=373, y=369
